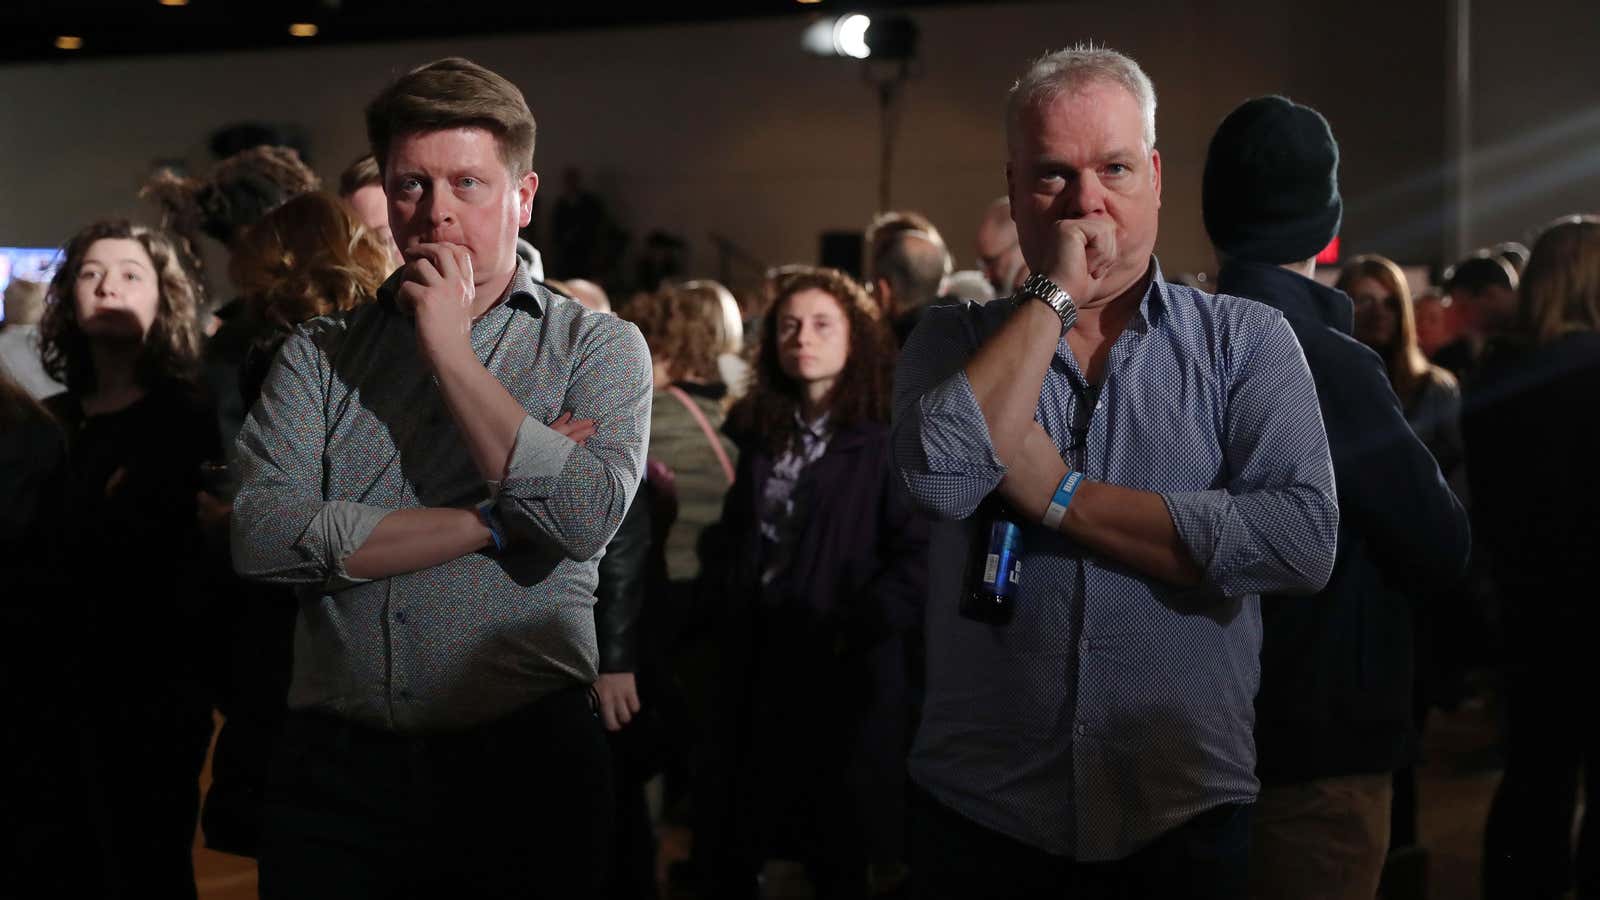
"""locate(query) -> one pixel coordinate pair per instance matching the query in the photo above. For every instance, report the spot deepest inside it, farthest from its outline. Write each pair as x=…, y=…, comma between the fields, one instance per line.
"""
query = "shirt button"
x=1082, y=729
x=400, y=617
x=1086, y=644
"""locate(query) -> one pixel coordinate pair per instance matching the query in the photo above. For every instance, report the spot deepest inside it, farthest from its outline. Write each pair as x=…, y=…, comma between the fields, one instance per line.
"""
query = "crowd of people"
x=466, y=558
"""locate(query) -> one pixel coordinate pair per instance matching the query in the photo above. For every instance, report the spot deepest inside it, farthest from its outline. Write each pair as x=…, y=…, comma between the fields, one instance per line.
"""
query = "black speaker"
x=842, y=250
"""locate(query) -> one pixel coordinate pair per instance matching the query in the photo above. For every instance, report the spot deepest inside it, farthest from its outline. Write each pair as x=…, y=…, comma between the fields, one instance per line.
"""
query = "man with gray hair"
x=907, y=264
x=1162, y=455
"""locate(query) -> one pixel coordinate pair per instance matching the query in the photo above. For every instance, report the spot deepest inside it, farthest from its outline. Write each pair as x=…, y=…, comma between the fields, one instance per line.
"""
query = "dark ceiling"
x=142, y=27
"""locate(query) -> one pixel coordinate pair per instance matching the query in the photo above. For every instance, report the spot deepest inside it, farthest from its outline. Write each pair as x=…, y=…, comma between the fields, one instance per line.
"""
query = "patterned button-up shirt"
x=351, y=425
x=1114, y=707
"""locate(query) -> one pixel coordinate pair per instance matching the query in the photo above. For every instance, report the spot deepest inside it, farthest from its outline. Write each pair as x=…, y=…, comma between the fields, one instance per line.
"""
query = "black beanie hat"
x=1270, y=192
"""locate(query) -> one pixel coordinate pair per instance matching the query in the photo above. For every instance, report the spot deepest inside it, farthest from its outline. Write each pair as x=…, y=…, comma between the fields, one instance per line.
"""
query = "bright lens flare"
x=850, y=36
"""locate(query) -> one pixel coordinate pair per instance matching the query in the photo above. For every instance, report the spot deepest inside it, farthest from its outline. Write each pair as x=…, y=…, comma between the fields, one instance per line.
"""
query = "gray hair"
x=1078, y=66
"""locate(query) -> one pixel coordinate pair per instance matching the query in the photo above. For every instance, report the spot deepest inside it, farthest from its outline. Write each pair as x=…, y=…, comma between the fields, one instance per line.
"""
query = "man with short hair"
x=999, y=254
x=1483, y=290
x=443, y=539
x=907, y=263
x=1162, y=453
x=1334, y=715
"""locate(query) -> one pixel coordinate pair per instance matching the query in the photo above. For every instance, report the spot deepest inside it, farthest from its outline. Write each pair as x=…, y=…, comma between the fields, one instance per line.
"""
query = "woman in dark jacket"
x=1533, y=438
x=120, y=333
x=820, y=565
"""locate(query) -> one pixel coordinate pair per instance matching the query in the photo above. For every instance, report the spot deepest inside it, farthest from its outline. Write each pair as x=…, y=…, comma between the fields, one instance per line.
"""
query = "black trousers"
x=955, y=858
x=1553, y=738
x=520, y=807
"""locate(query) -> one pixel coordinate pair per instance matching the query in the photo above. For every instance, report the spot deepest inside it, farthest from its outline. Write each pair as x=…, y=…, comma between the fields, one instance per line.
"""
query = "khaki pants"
x=1321, y=840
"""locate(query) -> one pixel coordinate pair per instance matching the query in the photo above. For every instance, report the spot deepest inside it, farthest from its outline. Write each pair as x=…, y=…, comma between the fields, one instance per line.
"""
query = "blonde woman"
x=1534, y=438
x=1385, y=320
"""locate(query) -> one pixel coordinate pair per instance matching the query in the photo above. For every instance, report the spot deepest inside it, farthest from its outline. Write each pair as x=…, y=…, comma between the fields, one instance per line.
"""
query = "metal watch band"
x=1051, y=294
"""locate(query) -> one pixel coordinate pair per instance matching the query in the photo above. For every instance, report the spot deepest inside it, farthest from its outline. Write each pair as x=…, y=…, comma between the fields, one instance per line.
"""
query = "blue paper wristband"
x=487, y=517
x=1057, y=510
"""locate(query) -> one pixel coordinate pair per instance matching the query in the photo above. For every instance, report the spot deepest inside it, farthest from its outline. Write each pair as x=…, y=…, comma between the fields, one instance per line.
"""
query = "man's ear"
x=527, y=188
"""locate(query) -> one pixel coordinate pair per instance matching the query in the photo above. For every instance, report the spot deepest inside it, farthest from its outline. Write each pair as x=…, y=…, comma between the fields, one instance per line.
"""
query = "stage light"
x=69, y=42
x=857, y=36
x=173, y=2
x=303, y=30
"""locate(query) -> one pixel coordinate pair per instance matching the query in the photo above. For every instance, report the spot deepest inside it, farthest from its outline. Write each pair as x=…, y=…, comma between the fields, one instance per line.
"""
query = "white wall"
x=730, y=128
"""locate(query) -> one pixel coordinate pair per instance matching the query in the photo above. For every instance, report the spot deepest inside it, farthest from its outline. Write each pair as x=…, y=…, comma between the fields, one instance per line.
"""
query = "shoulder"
x=1229, y=331
x=585, y=331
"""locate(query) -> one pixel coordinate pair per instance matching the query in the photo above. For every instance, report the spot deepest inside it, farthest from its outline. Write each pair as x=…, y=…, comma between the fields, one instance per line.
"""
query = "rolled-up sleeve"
x=1274, y=527
x=576, y=495
x=941, y=442
x=282, y=528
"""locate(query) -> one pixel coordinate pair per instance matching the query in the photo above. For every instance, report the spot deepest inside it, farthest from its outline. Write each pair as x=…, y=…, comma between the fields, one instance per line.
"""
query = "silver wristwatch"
x=1043, y=289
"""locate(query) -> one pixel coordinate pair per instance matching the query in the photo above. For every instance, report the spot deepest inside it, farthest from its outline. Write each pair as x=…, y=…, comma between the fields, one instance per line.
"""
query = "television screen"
x=27, y=263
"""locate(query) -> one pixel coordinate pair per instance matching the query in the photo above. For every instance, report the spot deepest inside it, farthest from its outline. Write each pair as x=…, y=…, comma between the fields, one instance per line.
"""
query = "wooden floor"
x=1457, y=780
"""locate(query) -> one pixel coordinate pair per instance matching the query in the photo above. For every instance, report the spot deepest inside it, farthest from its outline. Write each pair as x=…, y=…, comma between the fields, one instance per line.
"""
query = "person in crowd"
x=591, y=295
x=1483, y=292
x=1388, y=322
x=1436, y=322
x=19, y=339
x=238, y=191
x=1334, y=713
x=1385, y=321
x=1514, y=253
x=309, y=257
x=49, y=845
x=1162, y=453
x=442, y=538
x=120, y=332
x=999, y=253
x=967, y=284
x=361, y=188
x=687, y=329
x=818, y=575
x=1532, y=448
x=907, y=264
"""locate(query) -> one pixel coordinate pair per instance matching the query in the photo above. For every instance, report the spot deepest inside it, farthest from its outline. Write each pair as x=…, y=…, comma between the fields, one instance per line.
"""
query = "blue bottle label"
x=1002, y=567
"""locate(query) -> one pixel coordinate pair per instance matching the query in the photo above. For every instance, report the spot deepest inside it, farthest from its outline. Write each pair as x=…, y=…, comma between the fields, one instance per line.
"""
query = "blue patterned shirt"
x=1114, y=707
x=351, y=426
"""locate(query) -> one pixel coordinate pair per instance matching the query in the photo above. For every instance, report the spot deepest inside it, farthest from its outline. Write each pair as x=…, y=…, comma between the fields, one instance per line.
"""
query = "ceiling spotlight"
x=173, y=2
x=303, y=30
x=69, y=42
x=857, y=36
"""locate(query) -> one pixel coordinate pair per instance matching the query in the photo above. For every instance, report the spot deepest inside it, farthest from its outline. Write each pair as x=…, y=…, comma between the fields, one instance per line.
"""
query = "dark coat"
x=818, y=663
x=1336, y=667
x=1533, y=442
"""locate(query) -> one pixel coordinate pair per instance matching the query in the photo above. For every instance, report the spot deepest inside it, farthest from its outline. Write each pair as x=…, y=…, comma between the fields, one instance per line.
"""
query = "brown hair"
x=359, y=174
x=861, y=392
x=308, y=258
x=171, y=348
x=238, y=191
x=1406, y=364
x=1561, y=285
x=452, y=93
x=685, y=327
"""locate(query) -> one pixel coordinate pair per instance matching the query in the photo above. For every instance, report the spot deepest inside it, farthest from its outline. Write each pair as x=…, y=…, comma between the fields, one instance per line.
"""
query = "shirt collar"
x=815, y=431
x=522, y=293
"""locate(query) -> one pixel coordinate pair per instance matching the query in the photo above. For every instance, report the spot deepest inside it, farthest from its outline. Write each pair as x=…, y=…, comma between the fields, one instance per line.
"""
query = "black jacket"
x=1336, y=667
x=625, y=573
x=1534, y=440
x=818, y=664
